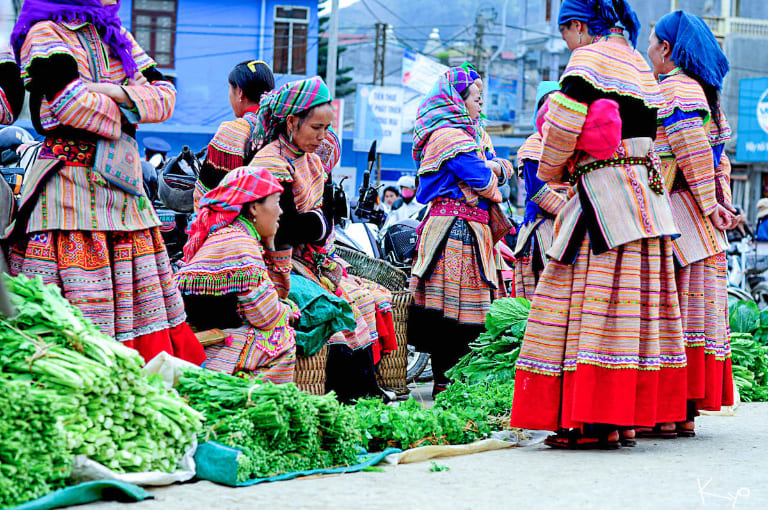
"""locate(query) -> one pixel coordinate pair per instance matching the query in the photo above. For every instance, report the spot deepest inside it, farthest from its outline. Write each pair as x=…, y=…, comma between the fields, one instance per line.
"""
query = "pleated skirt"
x=604, y=342
x=703, y=293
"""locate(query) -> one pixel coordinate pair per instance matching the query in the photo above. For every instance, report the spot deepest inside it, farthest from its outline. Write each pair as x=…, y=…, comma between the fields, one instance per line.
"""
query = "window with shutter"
x=291, y=32
x=154, y=27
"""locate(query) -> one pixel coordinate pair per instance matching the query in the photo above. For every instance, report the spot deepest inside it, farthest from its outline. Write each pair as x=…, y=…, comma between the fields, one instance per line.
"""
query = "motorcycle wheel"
x=737, y=294
x=760, y=295
x=417, y=362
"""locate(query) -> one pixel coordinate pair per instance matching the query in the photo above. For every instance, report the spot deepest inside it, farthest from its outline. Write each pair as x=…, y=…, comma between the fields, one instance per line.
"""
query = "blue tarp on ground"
x=218, y=463
x=88, y=493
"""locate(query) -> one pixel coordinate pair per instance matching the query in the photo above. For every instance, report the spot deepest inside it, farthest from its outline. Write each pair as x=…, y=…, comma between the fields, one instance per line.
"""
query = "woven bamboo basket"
x=379, y=271
x=310, y=372
x=392, y=369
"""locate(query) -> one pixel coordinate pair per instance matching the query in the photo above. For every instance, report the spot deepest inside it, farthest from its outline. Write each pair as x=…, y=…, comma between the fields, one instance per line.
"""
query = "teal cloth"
x=88, y=493
x=322, y=315
x=218, y=463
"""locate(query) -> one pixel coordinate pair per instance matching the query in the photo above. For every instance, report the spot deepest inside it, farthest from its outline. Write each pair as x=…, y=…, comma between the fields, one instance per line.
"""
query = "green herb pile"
x=102, y=402
x=493, y=355
x=278, y=428
x=462, y=414
x=749, y=350
x=35, y=457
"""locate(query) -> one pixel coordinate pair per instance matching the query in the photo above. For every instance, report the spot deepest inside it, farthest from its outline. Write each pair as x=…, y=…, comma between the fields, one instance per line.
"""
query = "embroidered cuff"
x=279, y=260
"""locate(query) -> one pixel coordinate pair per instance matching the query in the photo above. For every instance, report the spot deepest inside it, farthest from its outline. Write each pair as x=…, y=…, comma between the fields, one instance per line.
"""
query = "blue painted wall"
x=211, y=37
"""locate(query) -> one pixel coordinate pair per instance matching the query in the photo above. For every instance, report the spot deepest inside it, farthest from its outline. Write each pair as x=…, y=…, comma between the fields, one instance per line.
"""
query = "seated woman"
x=235, y=142
x=225, y=280
x=295, y=122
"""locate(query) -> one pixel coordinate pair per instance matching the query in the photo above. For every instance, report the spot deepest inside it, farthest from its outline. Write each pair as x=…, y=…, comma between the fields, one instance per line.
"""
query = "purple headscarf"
x=104, y=18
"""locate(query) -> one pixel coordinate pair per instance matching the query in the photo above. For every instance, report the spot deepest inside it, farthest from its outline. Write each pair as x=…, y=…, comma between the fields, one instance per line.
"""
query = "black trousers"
x=445, y=339
x=350, y=374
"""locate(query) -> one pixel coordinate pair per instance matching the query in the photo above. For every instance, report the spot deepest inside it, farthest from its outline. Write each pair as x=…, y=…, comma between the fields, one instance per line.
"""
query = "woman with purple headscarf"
x=454, y=275
x=84, y=221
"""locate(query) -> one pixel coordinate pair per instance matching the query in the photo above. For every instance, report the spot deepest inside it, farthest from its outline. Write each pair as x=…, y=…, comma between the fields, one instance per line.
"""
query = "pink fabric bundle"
x=601, y=134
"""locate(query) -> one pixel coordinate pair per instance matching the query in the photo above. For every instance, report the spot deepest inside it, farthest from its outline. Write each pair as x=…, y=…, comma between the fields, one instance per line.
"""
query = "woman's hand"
x=495, y=167
x=269, y=243
x=138, y=79
x=115, y=92
x=722, y=218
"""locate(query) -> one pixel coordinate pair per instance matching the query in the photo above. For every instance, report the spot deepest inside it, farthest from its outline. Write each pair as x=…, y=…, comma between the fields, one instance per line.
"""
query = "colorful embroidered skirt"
x=703, y=292
x=238, y=351
x=604, y=342
x=456, y=285
x=122, y=281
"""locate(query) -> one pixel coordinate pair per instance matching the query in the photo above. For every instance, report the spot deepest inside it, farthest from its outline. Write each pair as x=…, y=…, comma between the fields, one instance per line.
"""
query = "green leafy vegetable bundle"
x=493, y=355
x=278, y=428
x=462, y=414
x=35, y=457
x=749, y=350
x=105, y=404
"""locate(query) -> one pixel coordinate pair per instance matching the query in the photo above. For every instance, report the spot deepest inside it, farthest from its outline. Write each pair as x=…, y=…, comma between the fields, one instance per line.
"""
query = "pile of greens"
x=101, y=402
x=35, y=457
x=493, y=355
x=749, y=350
x=278, y=428
x=462, y=414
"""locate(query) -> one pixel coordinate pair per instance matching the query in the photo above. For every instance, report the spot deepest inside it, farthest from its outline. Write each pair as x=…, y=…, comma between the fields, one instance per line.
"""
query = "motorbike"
x=747, y=273
x=174, y=199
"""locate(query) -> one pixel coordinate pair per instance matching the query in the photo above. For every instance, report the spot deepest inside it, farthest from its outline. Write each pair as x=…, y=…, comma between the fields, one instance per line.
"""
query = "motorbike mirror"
x=157, y=160
x=8, y=157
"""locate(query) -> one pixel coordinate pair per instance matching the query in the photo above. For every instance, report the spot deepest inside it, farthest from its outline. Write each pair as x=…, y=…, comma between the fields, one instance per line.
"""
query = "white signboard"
x=419, y=72
x=378, y=112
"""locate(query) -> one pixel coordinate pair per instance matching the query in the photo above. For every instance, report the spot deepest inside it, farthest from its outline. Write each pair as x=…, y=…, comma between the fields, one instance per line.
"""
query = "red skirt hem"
x=178, y=341
x=593, y=394
x=710, y=381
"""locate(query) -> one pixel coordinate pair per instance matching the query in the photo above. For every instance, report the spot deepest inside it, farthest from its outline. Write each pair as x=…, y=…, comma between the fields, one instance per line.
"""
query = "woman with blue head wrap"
x=692, y=133
x=542, y=204
x=595, y=352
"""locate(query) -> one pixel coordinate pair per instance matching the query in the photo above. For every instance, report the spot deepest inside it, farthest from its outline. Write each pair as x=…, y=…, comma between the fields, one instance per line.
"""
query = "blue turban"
x=694, y=47
x=601, y=16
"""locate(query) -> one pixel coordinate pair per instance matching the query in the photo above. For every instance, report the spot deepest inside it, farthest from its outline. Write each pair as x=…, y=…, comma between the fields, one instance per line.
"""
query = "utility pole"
x=380, y=57
x=477, y=60
x=333, y=47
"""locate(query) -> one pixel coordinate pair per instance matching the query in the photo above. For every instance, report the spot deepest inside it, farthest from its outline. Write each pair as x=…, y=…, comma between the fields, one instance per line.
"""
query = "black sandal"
x=655, y=432
x=624, y=439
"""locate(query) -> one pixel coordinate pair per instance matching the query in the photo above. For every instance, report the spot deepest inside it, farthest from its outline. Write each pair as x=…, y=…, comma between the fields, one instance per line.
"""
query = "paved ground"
x=725, y=466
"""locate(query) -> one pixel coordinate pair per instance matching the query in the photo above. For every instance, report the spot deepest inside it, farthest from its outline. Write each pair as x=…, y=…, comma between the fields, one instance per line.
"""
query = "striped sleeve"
x=154, y=101
x=261, y=307
x=74, y=105
x=562, y=125
x=279, y=265
x=723, y=181
x=549, y=200
x=693, y=154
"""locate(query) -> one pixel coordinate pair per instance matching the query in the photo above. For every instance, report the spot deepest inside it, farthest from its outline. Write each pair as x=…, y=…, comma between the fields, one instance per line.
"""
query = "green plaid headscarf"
x=290, y=99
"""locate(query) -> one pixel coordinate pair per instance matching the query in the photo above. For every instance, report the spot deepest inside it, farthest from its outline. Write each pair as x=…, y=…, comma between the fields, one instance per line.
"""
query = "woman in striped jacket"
x=603, y=351
x=84, y=222
x=692, y=132
x=226, y=280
